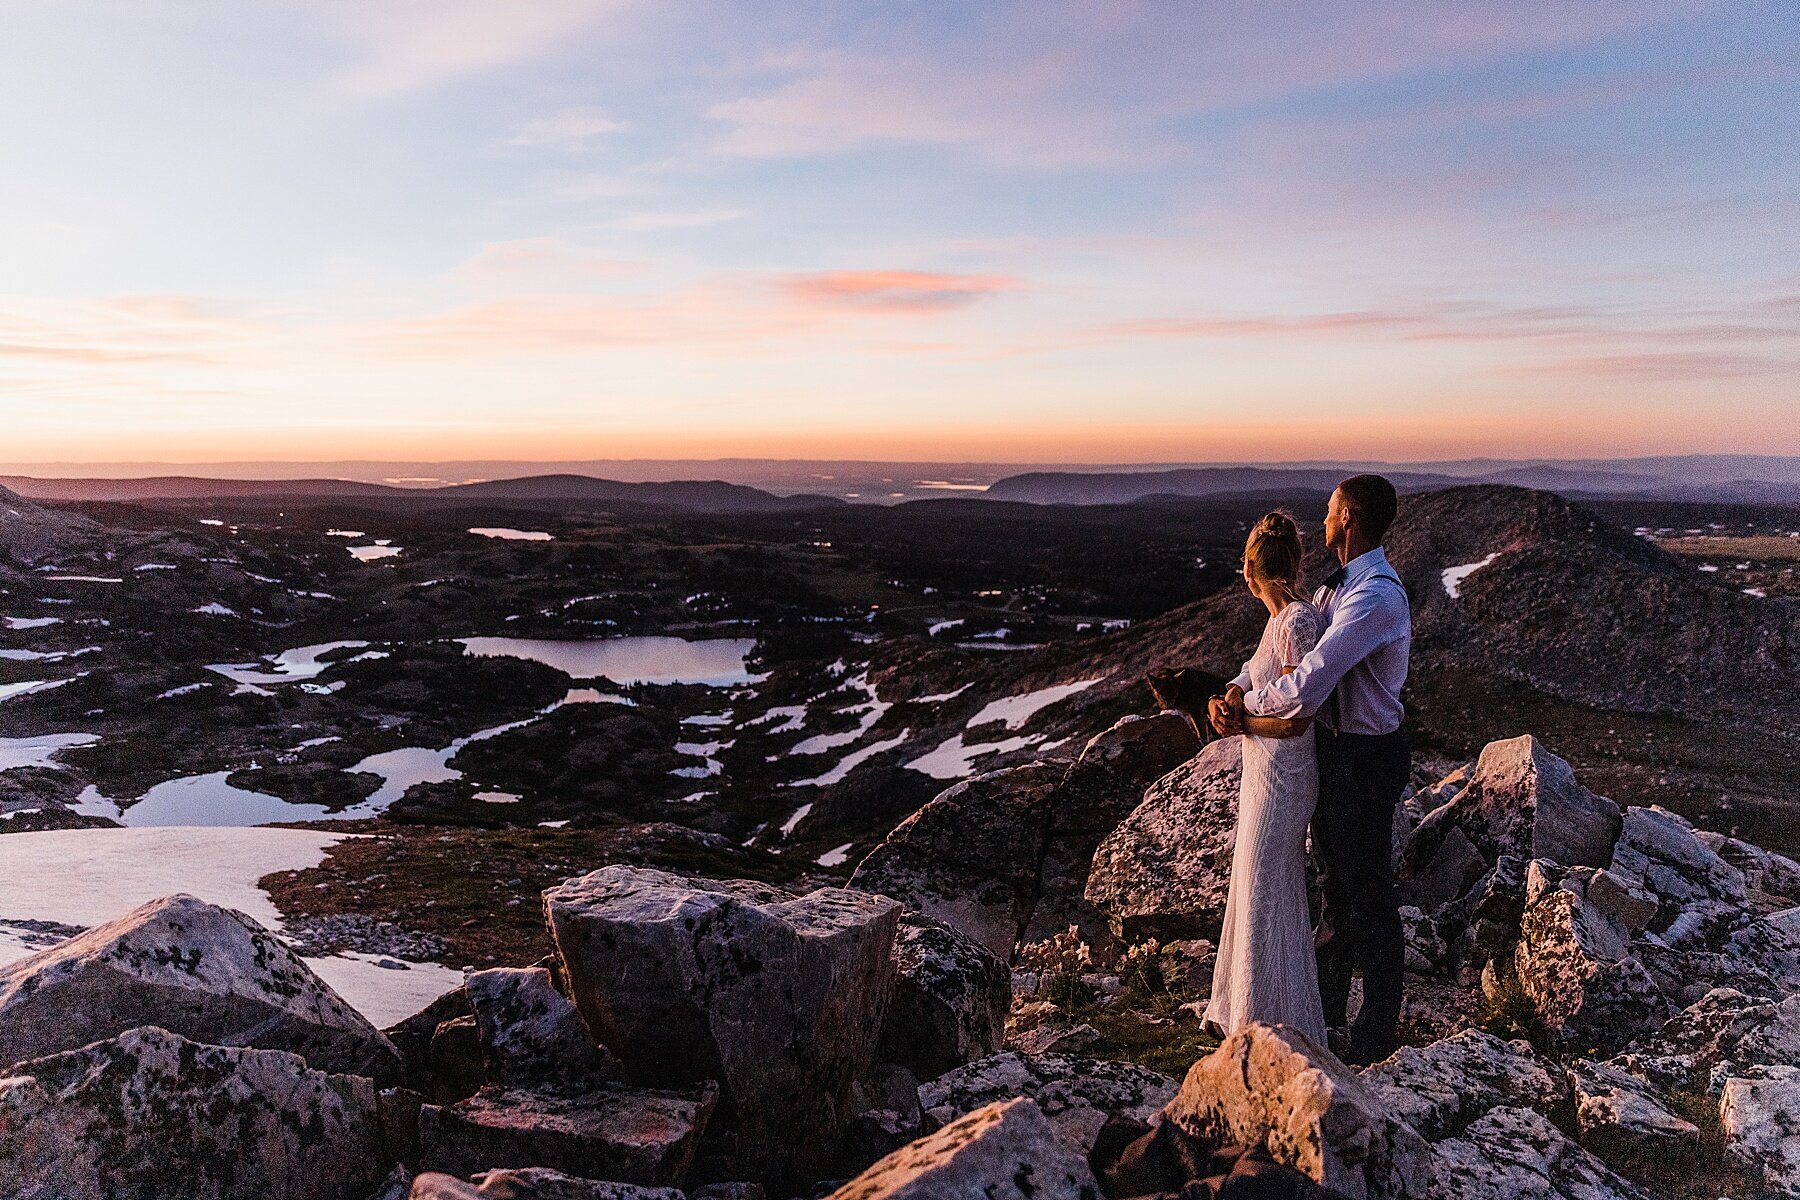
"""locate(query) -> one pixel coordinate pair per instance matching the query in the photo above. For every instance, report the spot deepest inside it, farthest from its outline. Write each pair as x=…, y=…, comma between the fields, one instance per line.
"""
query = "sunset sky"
x=1016, y=232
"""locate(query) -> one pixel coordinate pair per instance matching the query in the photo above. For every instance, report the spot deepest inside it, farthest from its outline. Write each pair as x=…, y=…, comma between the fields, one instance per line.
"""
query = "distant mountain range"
x=711, y=496
x=1739, y=479
x=747, y=485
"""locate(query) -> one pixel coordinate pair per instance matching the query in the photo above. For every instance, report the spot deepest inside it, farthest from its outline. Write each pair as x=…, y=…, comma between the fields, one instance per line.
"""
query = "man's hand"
x=1227, y=712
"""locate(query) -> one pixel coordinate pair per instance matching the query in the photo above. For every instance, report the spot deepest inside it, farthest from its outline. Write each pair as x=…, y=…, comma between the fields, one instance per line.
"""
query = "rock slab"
x=779, y=999
x=153, y=1116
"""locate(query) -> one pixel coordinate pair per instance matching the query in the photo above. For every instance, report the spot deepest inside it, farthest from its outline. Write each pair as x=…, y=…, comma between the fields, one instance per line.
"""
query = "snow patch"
x=1454, y=576
x=1015, y=711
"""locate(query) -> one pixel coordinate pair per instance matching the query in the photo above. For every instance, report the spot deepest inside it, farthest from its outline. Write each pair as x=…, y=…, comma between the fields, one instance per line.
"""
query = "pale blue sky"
x=1035, y=230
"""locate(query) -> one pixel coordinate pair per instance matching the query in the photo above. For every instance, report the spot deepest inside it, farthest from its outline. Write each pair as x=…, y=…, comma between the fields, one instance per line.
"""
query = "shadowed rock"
x=1270, y=1085
x=1077, y=1094
x=950, y=999
x=1517, y=1154
x=1165, y=870
x=970, y=857
x=1441, y=1087
x=1006, y=1151
x=530, y=1033
x=1101, y=789
x=611, y=1131
x=778, y=998
x=196, y=969
x=1617, y=1111
x=154, y=1116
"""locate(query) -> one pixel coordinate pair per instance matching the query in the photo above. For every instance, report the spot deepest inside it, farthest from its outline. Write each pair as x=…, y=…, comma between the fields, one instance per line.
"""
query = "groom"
x=1351, y=684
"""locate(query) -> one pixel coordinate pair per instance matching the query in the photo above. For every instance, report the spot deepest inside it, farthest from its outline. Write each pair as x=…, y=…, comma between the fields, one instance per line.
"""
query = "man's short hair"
x=1374, y=501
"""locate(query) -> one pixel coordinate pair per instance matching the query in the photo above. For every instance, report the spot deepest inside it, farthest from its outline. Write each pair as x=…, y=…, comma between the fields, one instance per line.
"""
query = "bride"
x=1265, y=969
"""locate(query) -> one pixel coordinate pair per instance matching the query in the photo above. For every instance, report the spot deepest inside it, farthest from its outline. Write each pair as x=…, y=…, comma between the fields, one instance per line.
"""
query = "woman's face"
x=1250, y=582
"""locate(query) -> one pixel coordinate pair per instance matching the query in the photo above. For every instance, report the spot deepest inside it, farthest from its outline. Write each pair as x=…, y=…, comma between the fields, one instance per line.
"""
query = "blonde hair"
x=1273, y=552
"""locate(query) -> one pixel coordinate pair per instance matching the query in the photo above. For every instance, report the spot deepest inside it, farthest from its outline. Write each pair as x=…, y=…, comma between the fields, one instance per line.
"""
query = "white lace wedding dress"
x=1265, y=969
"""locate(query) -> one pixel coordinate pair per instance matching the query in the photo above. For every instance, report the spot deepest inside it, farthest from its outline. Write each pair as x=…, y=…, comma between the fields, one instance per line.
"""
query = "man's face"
x=1337, y=521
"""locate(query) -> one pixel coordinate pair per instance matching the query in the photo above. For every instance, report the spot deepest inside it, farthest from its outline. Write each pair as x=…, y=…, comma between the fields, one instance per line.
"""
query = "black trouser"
x=1360, y=780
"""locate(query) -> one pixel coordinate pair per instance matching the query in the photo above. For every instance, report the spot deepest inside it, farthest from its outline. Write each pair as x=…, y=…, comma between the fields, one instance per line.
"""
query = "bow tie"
x=1335, y=580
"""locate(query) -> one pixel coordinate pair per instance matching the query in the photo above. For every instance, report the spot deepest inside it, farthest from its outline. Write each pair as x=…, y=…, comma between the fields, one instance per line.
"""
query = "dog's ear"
x=1164, y=686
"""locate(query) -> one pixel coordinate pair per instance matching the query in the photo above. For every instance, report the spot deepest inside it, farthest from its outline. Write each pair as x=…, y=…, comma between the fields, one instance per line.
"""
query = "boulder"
x=1271, y=1085
x=950, y=999
x=1521, y=800
x=195, y=969
x=1442, y=1087
x=612, y=1130
x=153, y=1116
x=1575, y=966
x=1077, y=1094
x=1617, y=1111
x=970, y=857
x=413, y=1037
x=1007, y=1150
x=1760, y=1114
x=1164, y=872
x=1517, y=1154
x=1764, y=870
x=1101, y=789
x=1107, y=781
x=1660, y=863
x=778, y=998
x=1771, y=944
x=530, y=1033
x=533, y=1183
x=1723, y=1029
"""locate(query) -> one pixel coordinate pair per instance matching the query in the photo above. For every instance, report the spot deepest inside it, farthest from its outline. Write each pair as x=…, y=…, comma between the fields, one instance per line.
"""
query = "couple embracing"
x=1319, y=707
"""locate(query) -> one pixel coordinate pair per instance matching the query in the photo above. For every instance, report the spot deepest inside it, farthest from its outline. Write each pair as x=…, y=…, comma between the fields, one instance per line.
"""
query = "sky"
x=1013, y=232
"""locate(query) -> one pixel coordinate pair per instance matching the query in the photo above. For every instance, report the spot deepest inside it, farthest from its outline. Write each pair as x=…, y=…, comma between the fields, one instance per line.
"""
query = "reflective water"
x=715, y=661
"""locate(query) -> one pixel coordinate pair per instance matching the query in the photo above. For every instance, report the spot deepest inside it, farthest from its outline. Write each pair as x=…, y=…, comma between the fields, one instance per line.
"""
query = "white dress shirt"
x=1363, y=655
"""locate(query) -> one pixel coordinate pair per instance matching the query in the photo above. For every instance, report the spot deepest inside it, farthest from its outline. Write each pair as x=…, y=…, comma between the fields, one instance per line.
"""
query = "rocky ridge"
x=726, y=1038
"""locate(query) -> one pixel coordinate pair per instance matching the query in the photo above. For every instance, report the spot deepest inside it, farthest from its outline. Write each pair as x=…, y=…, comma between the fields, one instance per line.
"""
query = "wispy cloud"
x=570, y=129
x=537, y=264
x=649, y=222
x=896, y=291
x=409, y=45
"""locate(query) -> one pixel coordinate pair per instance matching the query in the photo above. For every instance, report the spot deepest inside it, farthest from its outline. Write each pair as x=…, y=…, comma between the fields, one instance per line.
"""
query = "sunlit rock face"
x=779, y=998
x=196, y=969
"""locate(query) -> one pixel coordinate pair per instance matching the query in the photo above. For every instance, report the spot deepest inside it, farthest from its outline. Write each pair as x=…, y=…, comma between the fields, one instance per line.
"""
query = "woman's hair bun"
x=1273, y=550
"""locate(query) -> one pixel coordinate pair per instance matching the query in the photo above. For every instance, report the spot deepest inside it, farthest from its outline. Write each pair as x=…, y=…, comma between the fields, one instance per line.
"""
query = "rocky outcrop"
x=1517, y=1154
x=1440, y=1088
x=778, y=998
x=1760, y=1114
x=195, y=969
x=1771, y=946
x=154, y=1116
x=949, y=1002
x=1101, y=789
x=1575, y=966
x=1521, y=802
x=1007, y=1150
x=1615, y=1110
x=1270, y=1085
x=970, y=857
x=1077, y=1094
x=1682, y=888
x=1165, y=870
x=530, y=1033
x=611, y=1131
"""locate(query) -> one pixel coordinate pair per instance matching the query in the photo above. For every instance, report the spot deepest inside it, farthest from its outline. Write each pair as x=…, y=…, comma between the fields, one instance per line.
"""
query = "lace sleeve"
x=1298, y=634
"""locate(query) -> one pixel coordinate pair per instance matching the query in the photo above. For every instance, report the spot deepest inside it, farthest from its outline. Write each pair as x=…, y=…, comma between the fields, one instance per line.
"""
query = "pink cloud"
x=895, y=291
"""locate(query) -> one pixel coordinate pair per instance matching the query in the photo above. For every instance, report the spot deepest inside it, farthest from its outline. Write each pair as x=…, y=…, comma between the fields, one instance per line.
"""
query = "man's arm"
x=1367, y=620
